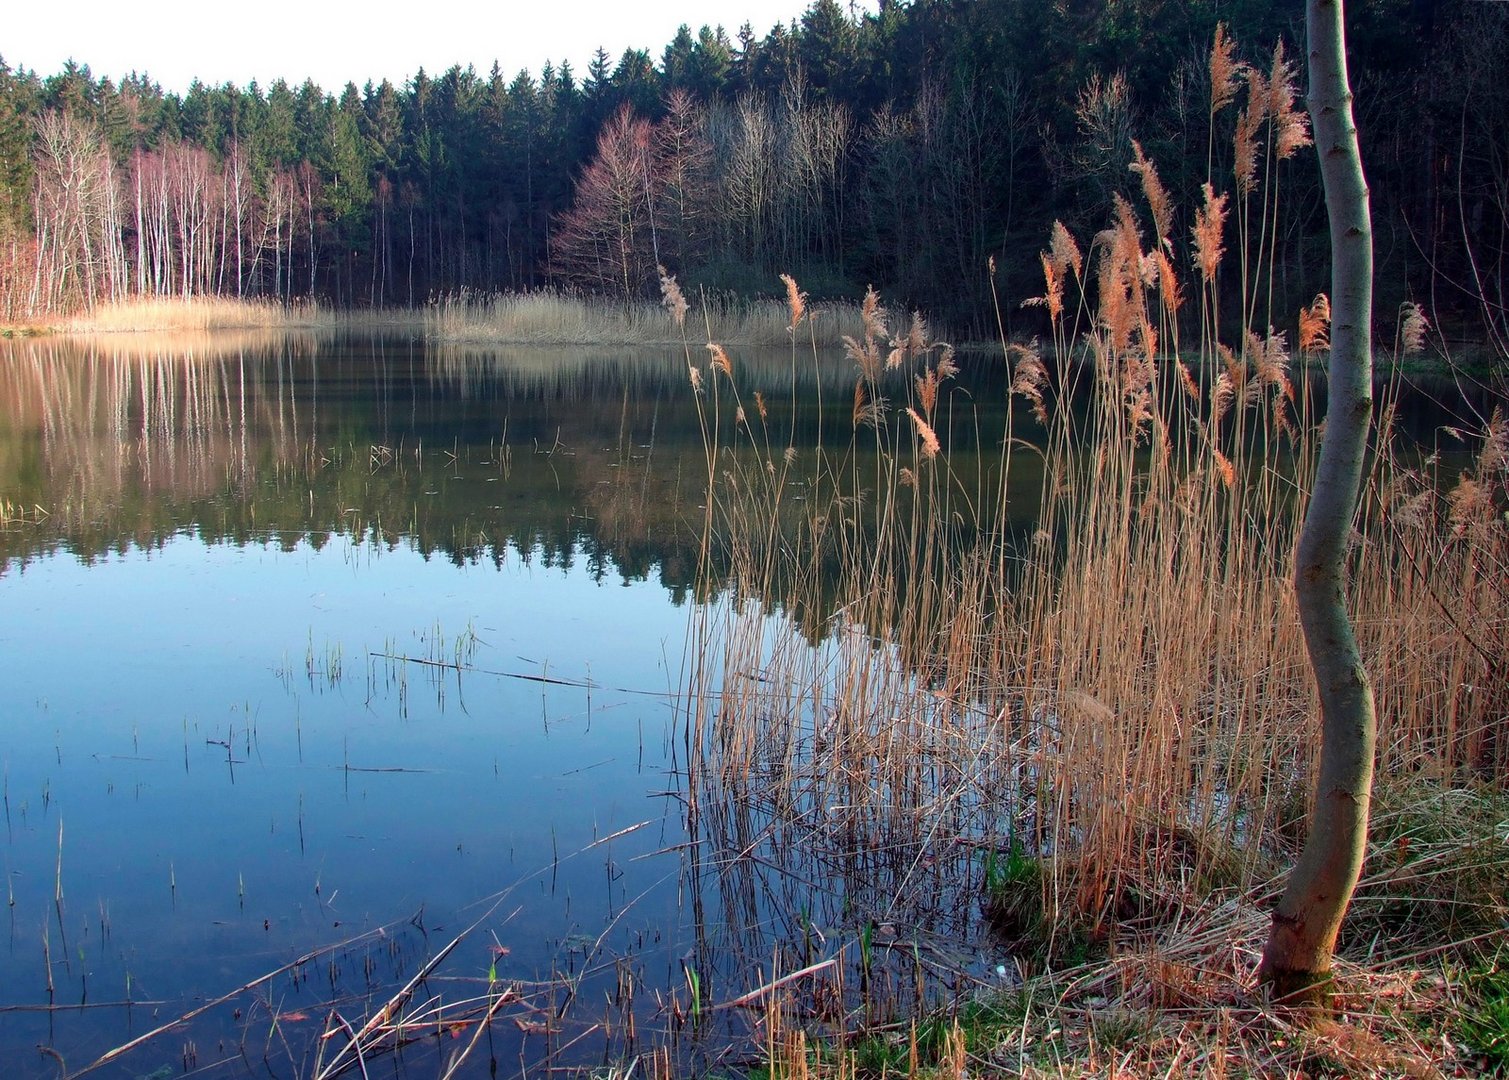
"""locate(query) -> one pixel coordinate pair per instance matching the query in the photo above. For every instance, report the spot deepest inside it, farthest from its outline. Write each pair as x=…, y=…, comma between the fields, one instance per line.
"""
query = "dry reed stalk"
x=1126, y=692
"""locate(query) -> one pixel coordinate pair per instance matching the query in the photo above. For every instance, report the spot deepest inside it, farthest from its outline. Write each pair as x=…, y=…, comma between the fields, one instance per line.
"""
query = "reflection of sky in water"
x=125, y=677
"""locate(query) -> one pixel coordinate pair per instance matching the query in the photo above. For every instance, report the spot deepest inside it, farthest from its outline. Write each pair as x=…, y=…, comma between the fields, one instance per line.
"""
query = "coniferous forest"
x=925, y=148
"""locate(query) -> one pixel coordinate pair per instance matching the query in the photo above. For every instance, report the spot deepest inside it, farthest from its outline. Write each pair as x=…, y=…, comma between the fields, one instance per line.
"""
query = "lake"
x=322, y=652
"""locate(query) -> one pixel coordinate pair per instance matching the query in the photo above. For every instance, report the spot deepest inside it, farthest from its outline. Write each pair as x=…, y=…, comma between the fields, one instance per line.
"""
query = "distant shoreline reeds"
x=559, y=318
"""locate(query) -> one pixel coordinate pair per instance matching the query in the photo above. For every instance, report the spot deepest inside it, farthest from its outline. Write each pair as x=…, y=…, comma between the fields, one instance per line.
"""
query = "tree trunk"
x=1297, y=959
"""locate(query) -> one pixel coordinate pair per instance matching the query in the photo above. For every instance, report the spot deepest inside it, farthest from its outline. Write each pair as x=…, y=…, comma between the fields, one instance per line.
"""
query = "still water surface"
x=340, y=647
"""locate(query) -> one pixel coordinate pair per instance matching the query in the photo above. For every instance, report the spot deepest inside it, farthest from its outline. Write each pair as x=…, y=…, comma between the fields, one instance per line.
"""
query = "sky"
x=336, y=42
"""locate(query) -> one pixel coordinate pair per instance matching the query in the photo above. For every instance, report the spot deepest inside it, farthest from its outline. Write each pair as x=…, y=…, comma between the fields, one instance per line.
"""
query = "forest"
x=924, y=148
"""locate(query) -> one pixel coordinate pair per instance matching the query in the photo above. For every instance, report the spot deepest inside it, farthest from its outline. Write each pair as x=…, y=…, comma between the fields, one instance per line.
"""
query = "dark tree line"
x=905, y=148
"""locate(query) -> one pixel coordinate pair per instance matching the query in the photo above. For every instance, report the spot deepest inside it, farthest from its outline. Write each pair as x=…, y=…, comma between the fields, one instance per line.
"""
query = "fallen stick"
x=759, y=992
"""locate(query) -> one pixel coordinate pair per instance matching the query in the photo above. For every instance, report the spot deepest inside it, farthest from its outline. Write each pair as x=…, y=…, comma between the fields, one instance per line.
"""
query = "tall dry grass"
x=890, y=684
x=557, y=318
x=157, y=314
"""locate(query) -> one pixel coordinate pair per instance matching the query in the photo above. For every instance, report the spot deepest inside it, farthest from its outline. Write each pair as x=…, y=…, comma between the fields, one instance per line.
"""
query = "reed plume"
x=1315, y=325
x=1155, y=193
x=720, y=359
x=1170, y=291
x=930, y=444
x=1412, y=328
x=1225, y=70
x=1119, y=278
x=1245, y=140
x=796, y=301
x=1030, y=377
x=672, y=299
x=1291, y=126
x=1210, y=223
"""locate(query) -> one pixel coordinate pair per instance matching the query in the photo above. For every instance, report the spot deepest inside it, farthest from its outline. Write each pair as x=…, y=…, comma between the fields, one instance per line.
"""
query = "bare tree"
x=683, y=158
x=79, y=258
x=606, y=239
x=1307, y=920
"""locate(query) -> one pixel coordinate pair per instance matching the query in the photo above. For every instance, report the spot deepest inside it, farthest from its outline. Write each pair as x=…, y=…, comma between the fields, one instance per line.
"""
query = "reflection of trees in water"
x=260, y=438
x=569, y=457
x=105, y=433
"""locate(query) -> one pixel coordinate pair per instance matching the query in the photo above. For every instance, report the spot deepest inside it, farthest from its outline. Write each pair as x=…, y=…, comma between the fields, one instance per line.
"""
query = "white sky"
x=333, y=43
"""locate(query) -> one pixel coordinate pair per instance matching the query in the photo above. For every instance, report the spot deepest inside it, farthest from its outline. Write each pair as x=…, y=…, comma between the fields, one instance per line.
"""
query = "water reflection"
x=327, y=647
x=132, y=441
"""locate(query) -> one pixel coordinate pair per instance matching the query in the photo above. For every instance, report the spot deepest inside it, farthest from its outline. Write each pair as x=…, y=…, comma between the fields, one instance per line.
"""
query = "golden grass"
x=152, y=314
x=554, y=318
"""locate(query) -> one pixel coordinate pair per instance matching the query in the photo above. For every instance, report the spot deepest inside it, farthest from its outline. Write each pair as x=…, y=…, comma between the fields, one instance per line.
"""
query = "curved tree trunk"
x=1297, y=959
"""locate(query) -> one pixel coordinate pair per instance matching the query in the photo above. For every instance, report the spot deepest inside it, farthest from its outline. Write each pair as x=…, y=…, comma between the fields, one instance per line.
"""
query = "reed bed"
x=559, y=318
x=147, y=314
x=895, y=692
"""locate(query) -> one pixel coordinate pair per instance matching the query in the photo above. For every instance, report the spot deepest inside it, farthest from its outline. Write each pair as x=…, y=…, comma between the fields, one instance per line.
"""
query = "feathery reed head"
x=1315, y=325
x=1270, y=361
x=1245, y=144
x=873, y=315
x=1221, y=396
x=1153, y=189
x=1210, y=222
x=930, y=444
x=1030, y=377
x=866, y=355
x=1065, y=251
x=720, y=359
x=1291, y=126
x=1187, y=380
x=946, y=367
x=672, y=298
x=1412, y=327
x=927, y=390
x=1062, y=255
x=916, y=335
x=1225, y=70
x=1494, y=457
x=1169, y=289
x=1470, y=507
x=1225, y=469
x=1053, y=292
x=866, y=410
x=796, y=300
x=1119, y=277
